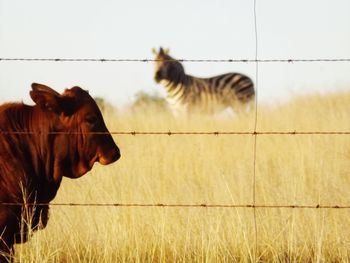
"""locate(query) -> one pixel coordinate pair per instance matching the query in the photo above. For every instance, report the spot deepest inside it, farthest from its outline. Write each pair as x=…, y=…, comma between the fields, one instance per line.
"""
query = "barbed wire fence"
x=171, y=133
x=254, y=133
x=317, y=206
x=230, y=60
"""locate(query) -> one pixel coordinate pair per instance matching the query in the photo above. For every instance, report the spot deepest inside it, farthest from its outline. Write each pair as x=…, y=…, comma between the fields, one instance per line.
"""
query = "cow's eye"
x=91, y=119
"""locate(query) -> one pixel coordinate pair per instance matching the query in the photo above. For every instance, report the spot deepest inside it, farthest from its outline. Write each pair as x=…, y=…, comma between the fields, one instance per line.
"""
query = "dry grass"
x=290, y=169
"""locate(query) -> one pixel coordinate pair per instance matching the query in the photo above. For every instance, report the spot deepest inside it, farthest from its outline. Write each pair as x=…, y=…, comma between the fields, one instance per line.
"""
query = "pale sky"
x=192, y=29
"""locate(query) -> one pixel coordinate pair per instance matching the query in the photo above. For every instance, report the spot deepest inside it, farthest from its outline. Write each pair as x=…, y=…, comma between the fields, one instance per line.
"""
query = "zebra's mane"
x=176, y=72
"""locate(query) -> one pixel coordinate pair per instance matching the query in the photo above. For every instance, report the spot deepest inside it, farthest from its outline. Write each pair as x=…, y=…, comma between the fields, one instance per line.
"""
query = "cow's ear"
x=47, y=98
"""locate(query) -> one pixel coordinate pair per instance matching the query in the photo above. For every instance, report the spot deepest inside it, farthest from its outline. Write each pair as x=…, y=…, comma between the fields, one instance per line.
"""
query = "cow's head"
x=74, y=112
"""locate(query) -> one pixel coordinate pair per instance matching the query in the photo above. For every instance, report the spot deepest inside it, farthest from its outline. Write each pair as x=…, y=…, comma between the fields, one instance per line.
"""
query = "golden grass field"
x=196, y=169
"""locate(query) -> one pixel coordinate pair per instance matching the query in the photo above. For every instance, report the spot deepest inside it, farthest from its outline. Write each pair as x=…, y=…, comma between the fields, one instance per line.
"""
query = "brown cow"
x=36, y=151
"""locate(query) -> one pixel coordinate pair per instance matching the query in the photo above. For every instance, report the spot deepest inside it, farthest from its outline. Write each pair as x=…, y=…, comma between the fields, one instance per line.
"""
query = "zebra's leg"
x=250, y=106
x=228, y=112
x=243, y=107
x=179, y=111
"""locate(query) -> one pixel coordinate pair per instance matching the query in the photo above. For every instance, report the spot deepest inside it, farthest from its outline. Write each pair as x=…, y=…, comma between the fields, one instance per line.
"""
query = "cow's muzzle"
x=110, y=157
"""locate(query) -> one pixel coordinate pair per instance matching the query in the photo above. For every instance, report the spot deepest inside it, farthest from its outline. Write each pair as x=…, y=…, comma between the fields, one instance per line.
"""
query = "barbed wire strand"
x=170, y=133
x=146, y=60
x=202, y=205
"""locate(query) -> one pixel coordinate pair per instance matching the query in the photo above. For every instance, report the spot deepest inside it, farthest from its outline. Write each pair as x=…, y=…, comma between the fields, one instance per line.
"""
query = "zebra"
x=189, y=94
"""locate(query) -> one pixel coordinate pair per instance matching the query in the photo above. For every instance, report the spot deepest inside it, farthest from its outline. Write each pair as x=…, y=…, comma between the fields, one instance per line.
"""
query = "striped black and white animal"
x=190, y=94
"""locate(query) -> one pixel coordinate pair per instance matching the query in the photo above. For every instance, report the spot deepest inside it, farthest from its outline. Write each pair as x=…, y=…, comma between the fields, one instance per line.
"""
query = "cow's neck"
x=42, y=152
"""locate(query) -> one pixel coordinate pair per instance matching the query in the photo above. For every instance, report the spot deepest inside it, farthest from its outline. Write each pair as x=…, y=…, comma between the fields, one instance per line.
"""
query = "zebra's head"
x=166, y=67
